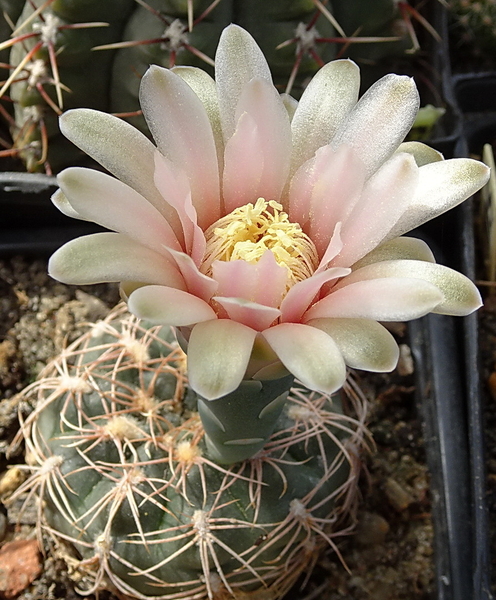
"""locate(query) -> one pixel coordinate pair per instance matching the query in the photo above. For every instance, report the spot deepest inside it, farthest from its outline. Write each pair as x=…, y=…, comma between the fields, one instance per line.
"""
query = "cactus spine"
x=131, y=495
x=64, y=72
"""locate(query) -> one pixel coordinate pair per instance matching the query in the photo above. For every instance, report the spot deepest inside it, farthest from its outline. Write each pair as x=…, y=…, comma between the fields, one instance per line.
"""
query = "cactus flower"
x=267, y=231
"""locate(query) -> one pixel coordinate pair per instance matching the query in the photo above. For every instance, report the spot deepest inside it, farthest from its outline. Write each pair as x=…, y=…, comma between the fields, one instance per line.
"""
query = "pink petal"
x=257, y=155
x=112, y=257
x=333, y=249
x=251, y=314
x=181, y=128
x=197, y=283
x=303, y=293
x=168, y=306
x=324, y=191
x=238, y=60
x=383, y=299
x=309, y=354
x=218, y=355
x=175, y=189
x=204, y=87
x=383, y=201
x=263, y=282
x=109, y=202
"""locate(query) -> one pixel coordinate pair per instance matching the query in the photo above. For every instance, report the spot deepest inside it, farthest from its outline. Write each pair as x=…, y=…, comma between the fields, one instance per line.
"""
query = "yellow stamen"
x=250, y=230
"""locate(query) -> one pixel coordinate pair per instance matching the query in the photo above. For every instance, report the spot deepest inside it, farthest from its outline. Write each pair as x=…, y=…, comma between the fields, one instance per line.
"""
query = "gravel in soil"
x=388, y=558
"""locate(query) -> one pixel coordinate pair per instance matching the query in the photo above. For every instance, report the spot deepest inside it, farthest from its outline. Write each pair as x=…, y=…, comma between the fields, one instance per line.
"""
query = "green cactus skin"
x=128, y=491
x=284, y=29
x=85, y=75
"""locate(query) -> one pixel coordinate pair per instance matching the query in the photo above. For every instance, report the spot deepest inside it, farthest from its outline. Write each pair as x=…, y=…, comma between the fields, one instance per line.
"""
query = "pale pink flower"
x=266, y=230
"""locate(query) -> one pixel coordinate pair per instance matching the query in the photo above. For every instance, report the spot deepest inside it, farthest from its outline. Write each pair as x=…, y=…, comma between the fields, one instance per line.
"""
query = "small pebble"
x=371, y=530
x=399, y=498
x=20, y=565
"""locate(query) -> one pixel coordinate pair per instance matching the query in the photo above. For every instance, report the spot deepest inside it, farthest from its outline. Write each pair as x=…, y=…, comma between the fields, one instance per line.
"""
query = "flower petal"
x=169, y=306
x=263, y=282
x=324, y=190
x=204, y=87
x=104, y=257
x=238, y=60
x=399, y=248
x=61, y=203
x=109, y=202
x=461, y=297
x=181, y=128
x=380, y=120
x=386, y=299
x=302, y=293
x=383, y=201
x=309, y=354
x=251, y=314
x=422, y=153
x=324, y=105
x=364, y=344
x=121, y=149
x=218, y=354
x=197, y=283
x=442, y=186
x=174, y=187
x=261, y=143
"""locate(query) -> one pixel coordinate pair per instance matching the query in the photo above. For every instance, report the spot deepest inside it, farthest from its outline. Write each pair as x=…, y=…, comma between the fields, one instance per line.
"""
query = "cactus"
x=63, y=72
x=126, y=488
x=478, y=19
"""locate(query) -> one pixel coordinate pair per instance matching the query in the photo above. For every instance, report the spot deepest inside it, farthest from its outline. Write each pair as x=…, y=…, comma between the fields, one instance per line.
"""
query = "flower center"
x=250, y=230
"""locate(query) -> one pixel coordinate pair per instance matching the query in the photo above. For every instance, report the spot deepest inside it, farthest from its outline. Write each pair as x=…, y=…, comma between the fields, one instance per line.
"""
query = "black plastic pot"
x=447, y=358
x=448, y=388
x=30, y=224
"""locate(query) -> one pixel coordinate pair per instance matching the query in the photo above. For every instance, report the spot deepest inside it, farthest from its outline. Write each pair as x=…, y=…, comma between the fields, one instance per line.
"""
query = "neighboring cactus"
x=54, y=69
x=126, y=488
x=297, y=37
x=478, y=18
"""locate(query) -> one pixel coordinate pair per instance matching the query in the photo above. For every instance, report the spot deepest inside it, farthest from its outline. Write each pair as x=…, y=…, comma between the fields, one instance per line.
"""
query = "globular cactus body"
x=297, y=37
x=129, y=491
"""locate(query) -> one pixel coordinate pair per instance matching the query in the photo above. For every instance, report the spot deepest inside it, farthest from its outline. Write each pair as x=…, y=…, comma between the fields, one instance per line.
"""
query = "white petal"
x=114, y=205
x=104, y=257
x=380, y=120
x=364, y=344
x=237, y=61
x=422, y=153
x=121, y=149
x=60, y=201
x=386, y=299
x=442, y=186
x=168, y=306
x=324, y=105
x=181, y=128
x=461, y=297
x=218, y=354
x=397, y=249
x=309, y=354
